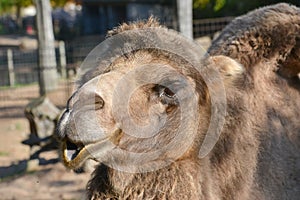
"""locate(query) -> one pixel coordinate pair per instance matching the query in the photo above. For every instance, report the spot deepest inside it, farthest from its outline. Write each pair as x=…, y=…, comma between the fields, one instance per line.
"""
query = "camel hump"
x=268, y=34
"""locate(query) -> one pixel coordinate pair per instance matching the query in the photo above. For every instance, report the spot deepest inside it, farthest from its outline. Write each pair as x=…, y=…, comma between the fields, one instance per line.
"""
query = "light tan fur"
x=257, y=154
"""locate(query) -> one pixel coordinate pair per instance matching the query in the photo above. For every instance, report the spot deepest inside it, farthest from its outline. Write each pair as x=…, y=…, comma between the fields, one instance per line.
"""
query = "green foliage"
x=23, y=3
x=58, y=3
x=5, y=5
x=218, y=4
x=9, y=5
x=221, y=8
x=200, y=3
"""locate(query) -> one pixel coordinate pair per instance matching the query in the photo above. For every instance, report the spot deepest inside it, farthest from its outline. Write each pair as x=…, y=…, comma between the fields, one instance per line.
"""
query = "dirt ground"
x=23, y=179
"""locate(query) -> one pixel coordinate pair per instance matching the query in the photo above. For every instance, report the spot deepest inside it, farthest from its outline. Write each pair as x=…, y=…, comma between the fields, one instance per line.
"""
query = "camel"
x=147, y=114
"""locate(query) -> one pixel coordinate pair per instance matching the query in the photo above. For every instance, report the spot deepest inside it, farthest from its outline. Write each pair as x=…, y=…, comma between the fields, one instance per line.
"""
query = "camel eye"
x=167, y=92
x=167, y=96
x=99, y=103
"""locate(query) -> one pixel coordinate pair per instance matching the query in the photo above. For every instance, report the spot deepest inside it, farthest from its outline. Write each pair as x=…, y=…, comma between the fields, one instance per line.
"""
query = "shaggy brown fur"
x=268, y=34
x=257, y=154
x=152, y=22
x=265, y=41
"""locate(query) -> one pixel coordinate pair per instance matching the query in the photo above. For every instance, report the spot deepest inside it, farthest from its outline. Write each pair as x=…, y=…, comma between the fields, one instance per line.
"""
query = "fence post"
x=185, y=17
x=10, y=64
x=62, y=59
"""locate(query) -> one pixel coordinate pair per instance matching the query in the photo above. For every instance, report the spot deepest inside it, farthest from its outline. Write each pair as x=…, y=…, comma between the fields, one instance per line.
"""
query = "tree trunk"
x=19, y=17
x=47, y=60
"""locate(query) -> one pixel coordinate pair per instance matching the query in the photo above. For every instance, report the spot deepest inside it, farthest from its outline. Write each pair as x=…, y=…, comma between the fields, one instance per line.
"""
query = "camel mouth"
x=74, y=154
x=72, y=149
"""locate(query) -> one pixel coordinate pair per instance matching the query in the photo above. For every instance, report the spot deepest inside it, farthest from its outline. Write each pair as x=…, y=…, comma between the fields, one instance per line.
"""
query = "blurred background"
x=42, y=45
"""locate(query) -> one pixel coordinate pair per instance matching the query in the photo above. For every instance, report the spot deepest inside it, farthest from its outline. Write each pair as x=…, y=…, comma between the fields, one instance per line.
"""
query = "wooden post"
x=185, y=17
x=10, y=64
x=62, y=59
x=47, y=60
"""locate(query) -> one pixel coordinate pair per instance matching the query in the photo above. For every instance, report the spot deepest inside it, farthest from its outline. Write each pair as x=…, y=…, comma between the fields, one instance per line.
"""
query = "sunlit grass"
x=18, y=85
x=3, y=153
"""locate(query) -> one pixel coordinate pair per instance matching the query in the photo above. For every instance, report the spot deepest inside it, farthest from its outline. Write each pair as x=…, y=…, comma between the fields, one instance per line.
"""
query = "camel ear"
x=230, y=69
x=290, y=67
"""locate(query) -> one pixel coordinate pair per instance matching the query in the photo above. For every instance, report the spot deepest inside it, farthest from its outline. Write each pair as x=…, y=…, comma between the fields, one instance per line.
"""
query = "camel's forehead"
x=119, y=63
x=135, y=61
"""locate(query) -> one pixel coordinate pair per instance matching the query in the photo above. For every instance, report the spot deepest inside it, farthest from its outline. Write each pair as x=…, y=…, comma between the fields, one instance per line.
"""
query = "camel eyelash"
x=166, y=95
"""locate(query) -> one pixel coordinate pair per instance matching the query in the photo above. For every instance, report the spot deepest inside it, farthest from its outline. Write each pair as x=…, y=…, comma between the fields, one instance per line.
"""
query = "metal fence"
x=22, y=66
x=202, y=27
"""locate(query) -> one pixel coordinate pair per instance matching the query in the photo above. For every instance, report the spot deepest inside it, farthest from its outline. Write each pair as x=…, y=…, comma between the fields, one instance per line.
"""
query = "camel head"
x=146, y=98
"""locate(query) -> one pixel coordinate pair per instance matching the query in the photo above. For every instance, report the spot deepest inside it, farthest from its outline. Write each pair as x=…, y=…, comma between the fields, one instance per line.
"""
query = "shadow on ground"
x=24, y=166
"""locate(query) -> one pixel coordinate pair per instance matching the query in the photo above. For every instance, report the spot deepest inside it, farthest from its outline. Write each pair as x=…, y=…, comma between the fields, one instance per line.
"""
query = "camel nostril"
x=63, y=119
x=99, y=102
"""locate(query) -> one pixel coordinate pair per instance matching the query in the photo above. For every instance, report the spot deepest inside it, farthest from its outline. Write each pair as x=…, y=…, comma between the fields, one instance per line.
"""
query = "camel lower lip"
x=74, y=158
x=74, y=154
x=72, y=149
